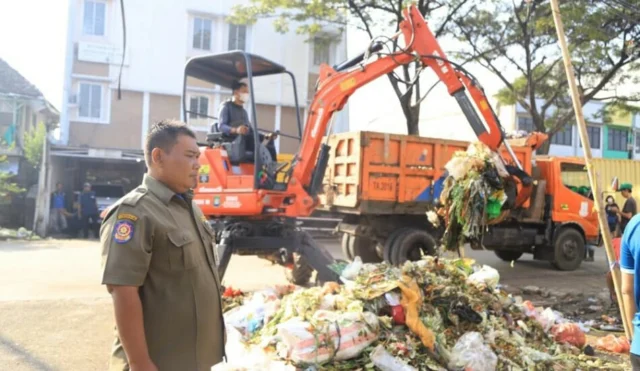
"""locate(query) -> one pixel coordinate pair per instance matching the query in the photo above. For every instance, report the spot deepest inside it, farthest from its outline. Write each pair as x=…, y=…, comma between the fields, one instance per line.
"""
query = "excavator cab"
x=246, y=155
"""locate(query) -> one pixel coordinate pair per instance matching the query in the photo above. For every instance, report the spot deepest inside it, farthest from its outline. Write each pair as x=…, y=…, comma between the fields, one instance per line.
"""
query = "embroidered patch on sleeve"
x=127, y=216
x=123, y=231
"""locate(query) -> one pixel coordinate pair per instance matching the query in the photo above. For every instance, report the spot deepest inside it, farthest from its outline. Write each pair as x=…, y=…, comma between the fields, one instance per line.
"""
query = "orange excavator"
x=253, y=202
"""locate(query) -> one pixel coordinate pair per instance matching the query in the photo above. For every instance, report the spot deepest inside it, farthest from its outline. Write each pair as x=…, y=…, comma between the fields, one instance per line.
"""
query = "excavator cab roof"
x=225, y=68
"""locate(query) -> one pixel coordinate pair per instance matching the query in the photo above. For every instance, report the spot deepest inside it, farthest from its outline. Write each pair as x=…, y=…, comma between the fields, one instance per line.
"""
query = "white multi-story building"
x=98, y=129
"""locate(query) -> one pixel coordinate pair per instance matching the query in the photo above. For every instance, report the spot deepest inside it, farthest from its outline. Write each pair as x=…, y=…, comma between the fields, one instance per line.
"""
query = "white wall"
x=159, y=42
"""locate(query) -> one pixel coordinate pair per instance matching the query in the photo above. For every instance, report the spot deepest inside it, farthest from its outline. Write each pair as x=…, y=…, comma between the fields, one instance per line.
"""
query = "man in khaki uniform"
x=159, y=266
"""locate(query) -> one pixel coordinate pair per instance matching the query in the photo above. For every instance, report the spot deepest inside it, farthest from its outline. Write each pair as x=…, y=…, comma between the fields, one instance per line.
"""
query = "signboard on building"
x=100, y=53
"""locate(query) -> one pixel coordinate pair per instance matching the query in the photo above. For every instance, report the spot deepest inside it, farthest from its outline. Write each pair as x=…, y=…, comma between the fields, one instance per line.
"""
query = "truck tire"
x=507, y=255
x=365, y=248
x=301, y=272
x=387, y=252
x=348, y=254
x=412, y=245
x=568, y=249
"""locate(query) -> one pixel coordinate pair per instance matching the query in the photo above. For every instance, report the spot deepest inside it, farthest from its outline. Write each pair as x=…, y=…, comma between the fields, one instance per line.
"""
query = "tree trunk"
x=544, y=149
x=413, y=120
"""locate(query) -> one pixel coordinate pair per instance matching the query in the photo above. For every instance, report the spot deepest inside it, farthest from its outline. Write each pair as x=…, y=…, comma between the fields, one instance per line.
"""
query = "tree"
x=33, y=144
x=6, y=186
x=367, y=15
x=603, y=38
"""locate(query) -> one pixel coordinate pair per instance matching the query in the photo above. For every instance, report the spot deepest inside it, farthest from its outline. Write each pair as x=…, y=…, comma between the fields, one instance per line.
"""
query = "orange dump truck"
x=383, y=186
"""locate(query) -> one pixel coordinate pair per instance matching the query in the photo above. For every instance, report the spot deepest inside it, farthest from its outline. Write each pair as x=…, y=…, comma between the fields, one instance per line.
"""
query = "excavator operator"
x=234, y=119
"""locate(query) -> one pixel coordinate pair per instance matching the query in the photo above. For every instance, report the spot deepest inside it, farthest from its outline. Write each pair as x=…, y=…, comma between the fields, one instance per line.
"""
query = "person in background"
x=629, y=209
x=88, y=212
x=234, y=119
x=613, y=219
x=630, y=278
x=59, y=211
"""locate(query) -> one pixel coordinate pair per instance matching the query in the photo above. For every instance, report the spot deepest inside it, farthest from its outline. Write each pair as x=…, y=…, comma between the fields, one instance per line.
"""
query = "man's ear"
x=157, y=156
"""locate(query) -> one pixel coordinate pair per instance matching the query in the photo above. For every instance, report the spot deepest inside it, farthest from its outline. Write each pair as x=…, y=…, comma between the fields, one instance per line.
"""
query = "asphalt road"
x=55, y=315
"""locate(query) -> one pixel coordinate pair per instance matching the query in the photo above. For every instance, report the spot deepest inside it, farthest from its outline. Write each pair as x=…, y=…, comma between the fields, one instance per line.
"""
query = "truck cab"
x=559, y=221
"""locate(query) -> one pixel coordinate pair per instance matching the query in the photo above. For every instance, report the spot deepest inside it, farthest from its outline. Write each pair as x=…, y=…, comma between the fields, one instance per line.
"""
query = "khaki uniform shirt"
x=160, y=241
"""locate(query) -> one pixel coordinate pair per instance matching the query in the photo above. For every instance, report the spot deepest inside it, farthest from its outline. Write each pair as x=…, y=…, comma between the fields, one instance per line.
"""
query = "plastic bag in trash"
x=458, y=167
x=328, y=336
x=569, y=333
x=613, y=344
x=485, y=276
x=472, y=354
x=241, y=357
x=386, y=362
x=352, y=270
x=250, y=317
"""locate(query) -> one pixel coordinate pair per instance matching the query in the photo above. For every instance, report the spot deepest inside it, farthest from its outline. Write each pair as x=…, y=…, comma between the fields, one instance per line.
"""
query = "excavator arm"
x=336, y=85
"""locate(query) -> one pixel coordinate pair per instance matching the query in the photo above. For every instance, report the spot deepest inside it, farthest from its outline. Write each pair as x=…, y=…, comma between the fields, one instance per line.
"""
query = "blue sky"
x=33, y=41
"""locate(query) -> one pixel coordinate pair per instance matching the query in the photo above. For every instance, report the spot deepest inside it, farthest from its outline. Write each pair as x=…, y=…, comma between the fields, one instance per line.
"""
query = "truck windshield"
x=574, y=177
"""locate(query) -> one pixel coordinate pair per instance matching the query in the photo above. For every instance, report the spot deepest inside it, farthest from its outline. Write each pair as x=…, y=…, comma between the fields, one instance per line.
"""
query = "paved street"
x=54, y=314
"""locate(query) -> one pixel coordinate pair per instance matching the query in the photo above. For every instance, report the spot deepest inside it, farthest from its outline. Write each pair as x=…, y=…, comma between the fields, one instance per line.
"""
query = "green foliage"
x=603, y=40
x=325, y=20
x=6, y=186
x=33, y=144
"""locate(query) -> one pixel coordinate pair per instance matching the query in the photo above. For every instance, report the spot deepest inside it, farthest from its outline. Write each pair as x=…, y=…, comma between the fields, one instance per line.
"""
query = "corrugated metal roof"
x=12, y=82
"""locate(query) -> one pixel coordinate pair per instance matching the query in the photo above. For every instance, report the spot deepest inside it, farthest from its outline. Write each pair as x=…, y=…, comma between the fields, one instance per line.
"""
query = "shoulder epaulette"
x=132, y=198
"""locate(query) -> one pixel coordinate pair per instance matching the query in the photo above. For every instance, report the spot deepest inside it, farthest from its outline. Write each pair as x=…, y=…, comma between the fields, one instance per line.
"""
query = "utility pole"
x=586, y=149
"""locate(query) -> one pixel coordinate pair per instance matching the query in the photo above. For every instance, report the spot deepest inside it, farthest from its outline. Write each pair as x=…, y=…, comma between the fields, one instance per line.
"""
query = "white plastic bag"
x=548, y=318
x=457, y=167
x=472, y=354
x=349, y=332
x=250, y=317
x=386, y=362
x=351, y=271
x=247, y=358
x=485, y=276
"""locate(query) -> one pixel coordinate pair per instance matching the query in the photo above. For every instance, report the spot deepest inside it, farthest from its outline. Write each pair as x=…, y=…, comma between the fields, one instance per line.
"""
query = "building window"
x=594, y=137
x=526, y=124
x=90, y=101
x=321, y=52
x=237, y=37
x=618, y=139
x=202, y=33
x=638, y=142
x=198, y=107
x=564, y=136
x=94, y=17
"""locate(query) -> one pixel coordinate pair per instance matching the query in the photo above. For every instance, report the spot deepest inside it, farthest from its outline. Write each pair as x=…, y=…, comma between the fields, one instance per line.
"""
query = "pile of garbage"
x=433, y=314
x=17, y=234
x=474, y=194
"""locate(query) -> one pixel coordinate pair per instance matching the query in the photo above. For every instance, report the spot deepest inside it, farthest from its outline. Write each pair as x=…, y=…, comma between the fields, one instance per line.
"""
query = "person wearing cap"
x=88, y=212
x=629, y=209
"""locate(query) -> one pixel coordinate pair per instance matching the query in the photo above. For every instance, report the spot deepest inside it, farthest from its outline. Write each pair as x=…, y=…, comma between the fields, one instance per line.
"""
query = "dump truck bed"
x=380, y=173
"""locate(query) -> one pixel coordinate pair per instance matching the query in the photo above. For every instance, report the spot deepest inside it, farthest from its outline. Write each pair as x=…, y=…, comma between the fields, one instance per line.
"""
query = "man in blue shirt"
x=59, y=209
x=630, y=274
x=88, y=209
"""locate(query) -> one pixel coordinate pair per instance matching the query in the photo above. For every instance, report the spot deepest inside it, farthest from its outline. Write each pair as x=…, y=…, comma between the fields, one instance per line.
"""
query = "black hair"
x=610, y=197
x=164, y=134
x=237, y=85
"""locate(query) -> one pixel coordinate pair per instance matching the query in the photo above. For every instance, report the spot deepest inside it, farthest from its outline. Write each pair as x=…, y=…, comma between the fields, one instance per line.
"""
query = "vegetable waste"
x=449, y=320
x=474, y=194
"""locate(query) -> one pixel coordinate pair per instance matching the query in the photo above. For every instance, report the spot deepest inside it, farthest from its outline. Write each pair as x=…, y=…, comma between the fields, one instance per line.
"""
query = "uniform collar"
x=158, y=188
